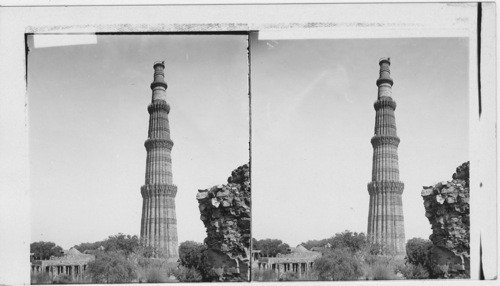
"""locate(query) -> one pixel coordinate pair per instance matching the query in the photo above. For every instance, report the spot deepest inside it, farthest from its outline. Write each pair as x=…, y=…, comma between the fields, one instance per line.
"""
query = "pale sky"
x=88, y=121
x=313, y=118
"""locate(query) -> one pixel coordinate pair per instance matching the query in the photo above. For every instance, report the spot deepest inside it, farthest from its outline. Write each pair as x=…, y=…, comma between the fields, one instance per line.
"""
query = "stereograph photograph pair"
x=293, y=144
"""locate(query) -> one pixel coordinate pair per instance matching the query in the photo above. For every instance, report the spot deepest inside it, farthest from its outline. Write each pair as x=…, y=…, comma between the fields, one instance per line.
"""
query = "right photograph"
x=360, y=159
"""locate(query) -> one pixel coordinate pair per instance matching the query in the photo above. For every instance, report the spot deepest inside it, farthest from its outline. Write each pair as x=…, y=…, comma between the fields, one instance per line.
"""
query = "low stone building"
x=73, y=263
x=299, y=260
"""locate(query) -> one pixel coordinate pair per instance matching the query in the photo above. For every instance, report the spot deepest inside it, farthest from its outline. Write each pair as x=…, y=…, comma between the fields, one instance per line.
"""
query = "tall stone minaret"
x=159, y=224
x=385, y=217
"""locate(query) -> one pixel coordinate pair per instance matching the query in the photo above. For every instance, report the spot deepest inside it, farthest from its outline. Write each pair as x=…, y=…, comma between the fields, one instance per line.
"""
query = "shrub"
x=289, y=276
x=442, y=270
x=63, y=279
x=337, y=265
x=377, y=267
x=155, y=270
x=111, y=267
x=184, y=274
x=155, y=275
x=381, y=271
x=264, y=275
x=41, y=278
x=411, y=271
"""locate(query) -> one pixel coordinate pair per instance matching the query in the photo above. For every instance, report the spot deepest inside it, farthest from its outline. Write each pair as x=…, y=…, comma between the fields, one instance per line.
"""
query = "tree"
x=339, y=264
x=88, y=246
x=121, y=242
x=44, y=250
x=418, y=250
x=147, y=251
x=316, y=243
x=111, y=267
x=350, y=240
x=192, y=256
x=271, y=247
x=254, y=243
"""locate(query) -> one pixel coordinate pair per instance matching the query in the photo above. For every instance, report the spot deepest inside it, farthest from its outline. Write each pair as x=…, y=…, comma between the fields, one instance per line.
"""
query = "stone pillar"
x=159, y=223
x=385, y=220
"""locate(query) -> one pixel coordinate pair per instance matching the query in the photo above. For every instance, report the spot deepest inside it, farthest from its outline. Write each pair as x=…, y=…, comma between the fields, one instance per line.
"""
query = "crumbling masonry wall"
x=225, y=212
x=447, y=208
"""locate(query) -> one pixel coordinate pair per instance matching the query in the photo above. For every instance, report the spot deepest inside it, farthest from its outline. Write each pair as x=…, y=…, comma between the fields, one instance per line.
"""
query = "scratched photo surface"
x=123, y=132
x=340, y=167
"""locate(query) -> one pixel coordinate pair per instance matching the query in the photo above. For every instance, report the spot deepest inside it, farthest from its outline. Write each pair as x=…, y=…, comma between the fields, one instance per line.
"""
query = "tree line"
x=350, y=256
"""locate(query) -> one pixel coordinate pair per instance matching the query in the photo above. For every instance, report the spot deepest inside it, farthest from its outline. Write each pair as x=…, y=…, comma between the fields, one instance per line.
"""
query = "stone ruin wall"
x=225, y=212
x=447, y=208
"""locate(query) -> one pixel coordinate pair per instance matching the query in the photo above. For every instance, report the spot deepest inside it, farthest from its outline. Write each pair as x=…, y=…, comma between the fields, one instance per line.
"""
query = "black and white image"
x=248, y=142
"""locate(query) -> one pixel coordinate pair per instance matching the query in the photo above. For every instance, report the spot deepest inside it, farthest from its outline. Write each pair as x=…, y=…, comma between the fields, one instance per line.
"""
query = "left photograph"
x=139, y=158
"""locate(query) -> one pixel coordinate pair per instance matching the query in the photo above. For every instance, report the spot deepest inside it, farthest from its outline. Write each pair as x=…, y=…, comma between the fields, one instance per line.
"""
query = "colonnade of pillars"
x=55, y=270
x=300, y=268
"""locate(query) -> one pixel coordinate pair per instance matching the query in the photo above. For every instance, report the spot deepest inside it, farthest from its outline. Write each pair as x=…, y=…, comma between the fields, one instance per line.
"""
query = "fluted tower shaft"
x=159, y=223
x=385, y=217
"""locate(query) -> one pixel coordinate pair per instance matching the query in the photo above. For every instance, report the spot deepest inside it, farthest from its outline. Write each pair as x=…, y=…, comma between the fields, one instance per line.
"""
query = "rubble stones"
x=225, y=212
x=462, y=173
x=447, y=208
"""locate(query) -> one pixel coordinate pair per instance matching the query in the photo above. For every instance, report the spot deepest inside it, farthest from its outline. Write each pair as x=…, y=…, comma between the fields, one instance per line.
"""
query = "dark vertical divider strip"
x=479, y=19
x=250, y=145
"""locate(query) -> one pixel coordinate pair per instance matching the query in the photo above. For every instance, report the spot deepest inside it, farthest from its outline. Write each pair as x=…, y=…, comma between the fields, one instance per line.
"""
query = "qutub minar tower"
x=159, y=224
x=385, y=216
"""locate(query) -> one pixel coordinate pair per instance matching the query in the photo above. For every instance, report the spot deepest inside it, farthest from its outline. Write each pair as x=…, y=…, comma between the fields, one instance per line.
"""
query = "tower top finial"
x=159, y=76
x=382, y=60
x=161, y=63
x=385, y=72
